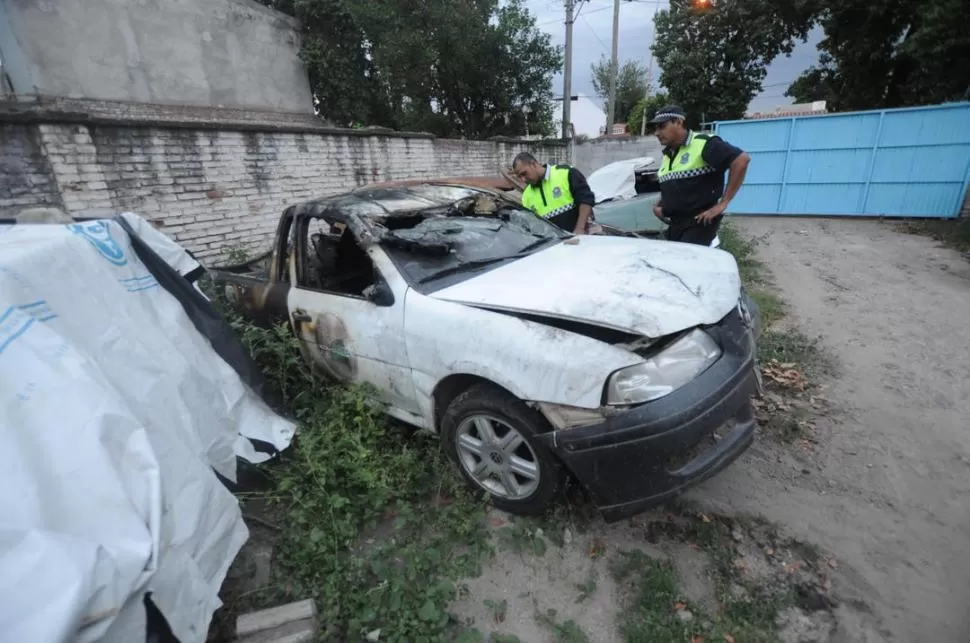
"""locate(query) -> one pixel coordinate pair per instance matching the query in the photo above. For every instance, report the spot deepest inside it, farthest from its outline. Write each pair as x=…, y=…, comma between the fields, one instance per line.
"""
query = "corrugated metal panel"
x=911, y=162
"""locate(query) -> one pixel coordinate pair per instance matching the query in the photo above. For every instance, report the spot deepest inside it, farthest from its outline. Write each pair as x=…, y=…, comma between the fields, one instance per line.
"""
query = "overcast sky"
x=593, y=30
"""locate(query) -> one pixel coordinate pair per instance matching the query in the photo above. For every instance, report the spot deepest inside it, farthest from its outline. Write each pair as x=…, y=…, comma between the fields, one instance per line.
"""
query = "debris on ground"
x=786, y=376
x=289, y=623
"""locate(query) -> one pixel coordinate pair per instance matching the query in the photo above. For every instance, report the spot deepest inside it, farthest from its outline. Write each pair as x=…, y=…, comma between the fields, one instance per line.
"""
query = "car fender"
x=532, y=360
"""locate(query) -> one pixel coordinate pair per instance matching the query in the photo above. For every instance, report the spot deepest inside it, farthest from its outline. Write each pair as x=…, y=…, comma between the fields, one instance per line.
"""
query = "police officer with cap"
x=691, y=176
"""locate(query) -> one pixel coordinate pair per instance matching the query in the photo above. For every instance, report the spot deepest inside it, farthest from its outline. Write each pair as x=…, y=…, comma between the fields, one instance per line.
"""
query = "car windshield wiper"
x=479, y=263
x=536, y=244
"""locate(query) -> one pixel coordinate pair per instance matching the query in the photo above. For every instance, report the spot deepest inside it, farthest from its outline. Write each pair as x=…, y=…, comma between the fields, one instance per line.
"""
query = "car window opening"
x=335, y=262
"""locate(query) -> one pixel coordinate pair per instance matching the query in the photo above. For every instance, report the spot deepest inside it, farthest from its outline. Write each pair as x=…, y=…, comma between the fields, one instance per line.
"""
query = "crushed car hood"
x=648, y=288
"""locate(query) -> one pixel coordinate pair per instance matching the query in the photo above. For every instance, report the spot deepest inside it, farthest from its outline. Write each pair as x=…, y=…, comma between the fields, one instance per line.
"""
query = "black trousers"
x=692, y=231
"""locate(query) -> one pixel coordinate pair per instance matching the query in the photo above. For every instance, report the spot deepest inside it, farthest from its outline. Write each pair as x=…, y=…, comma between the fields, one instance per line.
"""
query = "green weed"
x=354, y=493
x=755, y=277
x=658, y=611
x=790, y=346
x=235, y=254
x=652, y=614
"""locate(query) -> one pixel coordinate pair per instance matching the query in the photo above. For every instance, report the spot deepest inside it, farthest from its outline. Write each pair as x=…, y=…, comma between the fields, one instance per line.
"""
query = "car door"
x=347, y=309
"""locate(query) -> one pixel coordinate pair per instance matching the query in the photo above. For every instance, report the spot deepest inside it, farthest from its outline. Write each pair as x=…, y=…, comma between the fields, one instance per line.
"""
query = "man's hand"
x=658, y=212
x=707, y=216
x=584, y=216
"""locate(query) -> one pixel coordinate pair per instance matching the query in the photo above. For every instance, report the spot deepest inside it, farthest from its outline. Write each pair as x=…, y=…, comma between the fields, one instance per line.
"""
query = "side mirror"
x=379, y=294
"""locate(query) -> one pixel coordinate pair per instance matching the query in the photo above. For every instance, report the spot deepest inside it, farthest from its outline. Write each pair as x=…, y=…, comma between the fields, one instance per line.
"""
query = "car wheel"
x=490, y=435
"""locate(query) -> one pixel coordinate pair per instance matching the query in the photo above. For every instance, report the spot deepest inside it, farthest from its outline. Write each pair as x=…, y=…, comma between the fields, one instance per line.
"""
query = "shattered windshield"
x=441, y=246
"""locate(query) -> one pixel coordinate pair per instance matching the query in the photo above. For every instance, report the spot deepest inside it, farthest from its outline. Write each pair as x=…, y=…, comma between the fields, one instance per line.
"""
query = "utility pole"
x=567, y=74
x=643, y=119
x=611, y=119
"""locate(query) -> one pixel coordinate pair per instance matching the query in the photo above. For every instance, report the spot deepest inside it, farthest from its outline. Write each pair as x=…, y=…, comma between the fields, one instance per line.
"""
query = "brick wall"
x=212, y=189
x=26, y=178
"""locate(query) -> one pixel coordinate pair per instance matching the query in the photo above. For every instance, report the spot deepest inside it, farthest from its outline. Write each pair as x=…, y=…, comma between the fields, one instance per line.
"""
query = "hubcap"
x=497, y=457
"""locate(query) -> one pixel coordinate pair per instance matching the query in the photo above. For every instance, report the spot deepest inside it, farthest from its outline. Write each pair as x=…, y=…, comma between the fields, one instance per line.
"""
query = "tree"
x=889, y=54
x=632, y=84
x=818, y=83
x=713, y=61
x=476, y=68
x=651, y=104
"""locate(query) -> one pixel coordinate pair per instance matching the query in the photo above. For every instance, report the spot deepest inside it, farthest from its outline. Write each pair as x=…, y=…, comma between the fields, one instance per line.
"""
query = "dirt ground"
x=888, y=495
x=883, y=492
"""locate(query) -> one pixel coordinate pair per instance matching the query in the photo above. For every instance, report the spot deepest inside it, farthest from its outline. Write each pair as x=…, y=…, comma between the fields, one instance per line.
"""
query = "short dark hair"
x=523, y=157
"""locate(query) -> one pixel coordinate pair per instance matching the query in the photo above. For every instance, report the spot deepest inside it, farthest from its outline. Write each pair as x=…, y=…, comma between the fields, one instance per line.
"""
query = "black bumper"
x=645, y=456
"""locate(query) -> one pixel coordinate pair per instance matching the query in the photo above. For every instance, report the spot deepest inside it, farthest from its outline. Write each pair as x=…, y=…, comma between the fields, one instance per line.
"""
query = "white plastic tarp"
x=114, y=411
x=617, y=180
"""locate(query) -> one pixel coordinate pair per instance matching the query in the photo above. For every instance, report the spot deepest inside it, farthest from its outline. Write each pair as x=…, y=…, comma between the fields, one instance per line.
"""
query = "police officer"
x=558, y=193
x=692, y=194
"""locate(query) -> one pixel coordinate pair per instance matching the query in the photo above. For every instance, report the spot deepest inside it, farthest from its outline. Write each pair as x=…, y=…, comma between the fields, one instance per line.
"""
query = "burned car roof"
x=380, y=201
x=382, y=213
x=487, y=182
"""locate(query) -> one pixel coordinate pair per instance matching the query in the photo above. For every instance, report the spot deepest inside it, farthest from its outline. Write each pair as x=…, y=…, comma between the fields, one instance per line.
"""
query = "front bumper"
x=642, y=457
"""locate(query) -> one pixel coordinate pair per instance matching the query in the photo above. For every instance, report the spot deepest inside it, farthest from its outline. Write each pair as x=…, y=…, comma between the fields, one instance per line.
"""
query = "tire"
x=508, y=464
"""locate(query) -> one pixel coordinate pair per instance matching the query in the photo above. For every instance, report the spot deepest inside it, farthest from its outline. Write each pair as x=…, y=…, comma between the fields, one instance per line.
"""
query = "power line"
x=605, y=8
x=595, y=35
x=551, y=22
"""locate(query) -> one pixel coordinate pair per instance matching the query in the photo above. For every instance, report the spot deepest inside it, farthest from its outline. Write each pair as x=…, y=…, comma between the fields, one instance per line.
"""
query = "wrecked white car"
x=534, y=354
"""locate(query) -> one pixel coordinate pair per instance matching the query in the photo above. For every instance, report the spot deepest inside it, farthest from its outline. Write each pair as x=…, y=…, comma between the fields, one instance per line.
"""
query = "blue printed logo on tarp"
x=98, y=234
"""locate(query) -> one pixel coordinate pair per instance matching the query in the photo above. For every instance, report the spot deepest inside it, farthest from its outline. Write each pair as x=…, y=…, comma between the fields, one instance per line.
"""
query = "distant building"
x=619, y=129
x=787, y=111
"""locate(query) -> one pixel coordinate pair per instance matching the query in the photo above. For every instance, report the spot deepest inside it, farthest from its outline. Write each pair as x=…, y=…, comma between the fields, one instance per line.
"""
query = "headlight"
x=665, y=372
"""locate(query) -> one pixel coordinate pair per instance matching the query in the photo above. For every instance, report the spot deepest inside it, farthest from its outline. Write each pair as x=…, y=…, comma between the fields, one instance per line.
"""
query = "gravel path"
x=889, y=490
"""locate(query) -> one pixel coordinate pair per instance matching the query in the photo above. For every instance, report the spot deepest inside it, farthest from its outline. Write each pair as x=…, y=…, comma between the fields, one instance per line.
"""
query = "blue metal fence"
x=912, y=162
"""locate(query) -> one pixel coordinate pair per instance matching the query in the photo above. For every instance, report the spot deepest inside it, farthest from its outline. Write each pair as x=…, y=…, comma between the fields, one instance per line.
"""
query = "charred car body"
x=535, y=354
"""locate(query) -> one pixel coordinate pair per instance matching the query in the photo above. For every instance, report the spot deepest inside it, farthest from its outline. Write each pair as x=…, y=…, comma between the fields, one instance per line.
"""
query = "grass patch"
x=377, y=531
x=793, y=347
x=954, y=233
x=746, y=609
x=781, y=350
x=754, y=276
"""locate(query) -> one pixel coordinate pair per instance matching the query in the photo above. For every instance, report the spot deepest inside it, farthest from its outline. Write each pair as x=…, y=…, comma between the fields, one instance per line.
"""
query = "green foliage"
x=652, y=614
x=754, y=276
x=888, y=54
x=473, y=69
x=523, y=536
x=632, y=84
x=794, y=347
x=236, y=254
x=363, y=536
x=714, y=61
x=652, y=104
